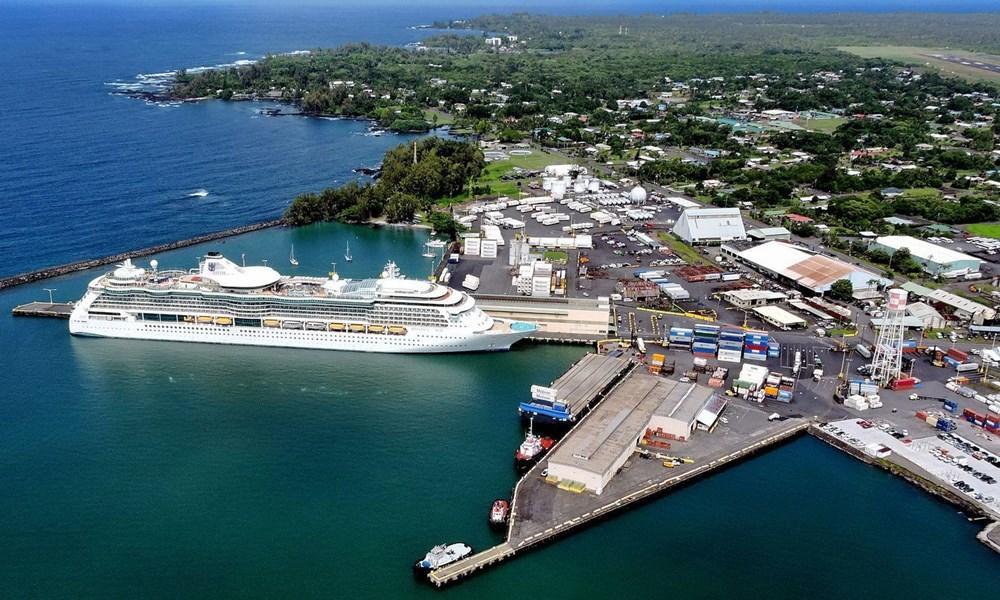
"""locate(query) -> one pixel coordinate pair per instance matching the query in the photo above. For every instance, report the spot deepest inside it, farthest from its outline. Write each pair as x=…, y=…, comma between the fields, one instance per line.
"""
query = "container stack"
x=773, y=350
x=755, y=346
x=706, y=340
x=730, y=345
x=681, y=337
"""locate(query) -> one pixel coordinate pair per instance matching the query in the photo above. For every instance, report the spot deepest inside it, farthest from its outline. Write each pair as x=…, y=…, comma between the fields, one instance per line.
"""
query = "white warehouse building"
x=935, y=259
x=710, y=225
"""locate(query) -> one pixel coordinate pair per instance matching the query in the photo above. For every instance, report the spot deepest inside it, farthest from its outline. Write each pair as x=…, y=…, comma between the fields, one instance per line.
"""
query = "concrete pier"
x=54, y=310
x=542, y=512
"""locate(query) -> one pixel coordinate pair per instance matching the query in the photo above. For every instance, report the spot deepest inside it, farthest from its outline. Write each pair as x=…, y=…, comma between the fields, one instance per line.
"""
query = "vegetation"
x=842, y=290
x=682, y=250
x=406, y=186
x=991, y=230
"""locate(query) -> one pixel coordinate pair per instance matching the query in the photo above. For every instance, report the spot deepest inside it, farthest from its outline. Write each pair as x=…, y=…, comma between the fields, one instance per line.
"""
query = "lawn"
x=922, y=193
x=821, y=125
x=556, y=256
x=689, y=254
x=443, y=118
x=990, y=230
x=494, y=171
x=922, y=57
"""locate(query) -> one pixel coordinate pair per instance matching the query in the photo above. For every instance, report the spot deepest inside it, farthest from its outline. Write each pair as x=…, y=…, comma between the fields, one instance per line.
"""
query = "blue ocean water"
x=148, y=469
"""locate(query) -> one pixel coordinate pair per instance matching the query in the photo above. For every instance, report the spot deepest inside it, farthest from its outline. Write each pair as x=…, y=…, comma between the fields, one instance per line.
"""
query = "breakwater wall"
x=49, y=272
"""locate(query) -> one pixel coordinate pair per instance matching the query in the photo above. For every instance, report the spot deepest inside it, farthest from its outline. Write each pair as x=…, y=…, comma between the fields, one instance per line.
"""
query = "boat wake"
x=199, y=193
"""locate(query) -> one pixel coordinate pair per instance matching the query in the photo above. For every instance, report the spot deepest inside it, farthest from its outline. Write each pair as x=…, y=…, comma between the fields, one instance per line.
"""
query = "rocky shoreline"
x=56, y=271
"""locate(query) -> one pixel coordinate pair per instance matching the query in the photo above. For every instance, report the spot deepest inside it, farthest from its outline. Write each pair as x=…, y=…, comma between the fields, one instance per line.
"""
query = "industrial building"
x=608, y=436
x=961, y=308
x=710, y=225
x=746, y=299
x=769, y=234
x=935, y=260
x=808, y=271
x=779, y=317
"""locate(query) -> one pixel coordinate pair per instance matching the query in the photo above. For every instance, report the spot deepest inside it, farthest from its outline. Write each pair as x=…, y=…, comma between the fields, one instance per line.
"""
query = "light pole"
x=50, y=290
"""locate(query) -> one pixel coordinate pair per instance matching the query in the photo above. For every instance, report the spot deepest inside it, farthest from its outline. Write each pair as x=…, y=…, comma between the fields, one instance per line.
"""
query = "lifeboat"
x=223, y=321
x=291, y=324
x=397, y=330
x=376, y=329
x=188, y=319
x=272, y=323
x=356, y=328
x=336, y=326
x=316, y=326
x=205, y=319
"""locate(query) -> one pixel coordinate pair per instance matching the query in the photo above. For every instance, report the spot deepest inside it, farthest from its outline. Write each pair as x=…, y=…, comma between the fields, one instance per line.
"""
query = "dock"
x=52, y=310
x=545, y=508
x=586, y=382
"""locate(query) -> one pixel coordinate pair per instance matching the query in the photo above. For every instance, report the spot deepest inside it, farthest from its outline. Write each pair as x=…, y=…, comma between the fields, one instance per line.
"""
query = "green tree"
x=842, y=290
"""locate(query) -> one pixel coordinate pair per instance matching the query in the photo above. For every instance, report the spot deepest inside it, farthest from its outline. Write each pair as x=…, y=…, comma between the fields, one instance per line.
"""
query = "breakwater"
x=65, y=269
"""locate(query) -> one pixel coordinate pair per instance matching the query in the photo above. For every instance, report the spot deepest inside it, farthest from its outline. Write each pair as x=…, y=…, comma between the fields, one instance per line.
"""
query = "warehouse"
x=676, y=417
x=768, y=234
x=602, y=442
x=935, y=260
x=745, y=299
x=929, y=317
x=710, y=225
x=810, y=272
x=779, y=317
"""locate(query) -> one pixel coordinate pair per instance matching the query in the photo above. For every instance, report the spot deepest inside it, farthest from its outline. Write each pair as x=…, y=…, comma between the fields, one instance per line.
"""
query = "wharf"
x=54, y=310
x=587, y=381
x=541, y=512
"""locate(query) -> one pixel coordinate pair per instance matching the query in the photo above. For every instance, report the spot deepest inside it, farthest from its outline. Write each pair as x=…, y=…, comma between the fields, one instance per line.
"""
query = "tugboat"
x=439, y=556
x=532, y=449
x=499, y=513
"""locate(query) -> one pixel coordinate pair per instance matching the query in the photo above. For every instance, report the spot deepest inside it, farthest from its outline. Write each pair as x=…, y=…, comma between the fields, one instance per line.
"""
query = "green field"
x=556, y=256
x=990, y=230
x=494, y=171
x=918, y=56
x=821, y=125
x=689, y=254
x=443, y=118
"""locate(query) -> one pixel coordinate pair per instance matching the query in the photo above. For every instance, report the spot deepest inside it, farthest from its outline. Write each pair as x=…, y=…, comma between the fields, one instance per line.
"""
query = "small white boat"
x=291, y=257
x=347, y=253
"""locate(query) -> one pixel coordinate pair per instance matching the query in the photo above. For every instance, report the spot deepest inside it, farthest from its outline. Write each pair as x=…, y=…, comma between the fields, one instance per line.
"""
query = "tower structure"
x=888, y=355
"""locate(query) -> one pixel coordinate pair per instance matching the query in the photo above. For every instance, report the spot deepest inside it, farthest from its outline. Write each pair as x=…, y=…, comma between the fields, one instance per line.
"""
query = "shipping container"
x=732, y=356
x=958, y=355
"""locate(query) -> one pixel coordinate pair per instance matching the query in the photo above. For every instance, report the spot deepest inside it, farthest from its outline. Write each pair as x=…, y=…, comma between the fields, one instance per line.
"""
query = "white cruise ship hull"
x=415, y=340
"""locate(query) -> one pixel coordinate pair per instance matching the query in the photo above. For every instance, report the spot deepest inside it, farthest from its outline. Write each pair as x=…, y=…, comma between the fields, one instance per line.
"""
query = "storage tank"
x=558, y=191
x=897, y=299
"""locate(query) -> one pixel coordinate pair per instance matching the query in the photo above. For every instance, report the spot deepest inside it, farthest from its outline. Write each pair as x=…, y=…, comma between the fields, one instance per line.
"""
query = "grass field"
x=922, y=193
x=990, y=230
x=443, y=118
x=494, y=171
x=919, y=57
x=556, y=256
x=689, y=254
x=821, y=125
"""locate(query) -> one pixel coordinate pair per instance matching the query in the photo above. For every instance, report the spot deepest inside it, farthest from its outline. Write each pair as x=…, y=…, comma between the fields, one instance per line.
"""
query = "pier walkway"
x=460, y=569
x=55, y=310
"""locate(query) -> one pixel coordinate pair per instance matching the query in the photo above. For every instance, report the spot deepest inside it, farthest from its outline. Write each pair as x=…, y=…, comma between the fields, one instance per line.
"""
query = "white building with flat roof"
x=935, y=259
x=811, y=272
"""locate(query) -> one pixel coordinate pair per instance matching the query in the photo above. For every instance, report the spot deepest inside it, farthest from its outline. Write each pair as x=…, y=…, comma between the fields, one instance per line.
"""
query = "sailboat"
x=291, y=257
x=347, y=253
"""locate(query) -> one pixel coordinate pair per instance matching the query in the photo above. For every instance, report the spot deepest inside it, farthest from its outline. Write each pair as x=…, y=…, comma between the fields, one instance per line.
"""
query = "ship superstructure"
x=225, y=303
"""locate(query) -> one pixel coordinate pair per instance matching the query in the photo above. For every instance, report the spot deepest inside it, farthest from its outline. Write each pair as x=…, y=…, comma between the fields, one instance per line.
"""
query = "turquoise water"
x=164, y=469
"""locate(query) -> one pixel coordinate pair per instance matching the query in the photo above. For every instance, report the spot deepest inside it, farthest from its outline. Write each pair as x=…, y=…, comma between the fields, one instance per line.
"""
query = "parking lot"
x=950, y=459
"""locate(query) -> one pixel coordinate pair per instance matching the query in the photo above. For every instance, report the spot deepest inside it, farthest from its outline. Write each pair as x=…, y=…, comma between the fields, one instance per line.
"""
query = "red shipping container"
x=958, y=355
x=922, y=414
x=756, y=347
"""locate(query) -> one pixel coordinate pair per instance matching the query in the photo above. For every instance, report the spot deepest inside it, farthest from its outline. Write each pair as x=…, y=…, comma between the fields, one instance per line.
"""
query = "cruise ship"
x=224, y=303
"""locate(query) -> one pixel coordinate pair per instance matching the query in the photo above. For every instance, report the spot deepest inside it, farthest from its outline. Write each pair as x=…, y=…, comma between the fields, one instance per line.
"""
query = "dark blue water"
x=143, y=469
